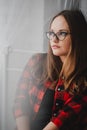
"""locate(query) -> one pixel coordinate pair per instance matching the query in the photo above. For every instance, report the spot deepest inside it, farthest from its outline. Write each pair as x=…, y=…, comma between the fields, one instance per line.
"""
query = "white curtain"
x=71, y=4
x=13, y=19
x=3, y=87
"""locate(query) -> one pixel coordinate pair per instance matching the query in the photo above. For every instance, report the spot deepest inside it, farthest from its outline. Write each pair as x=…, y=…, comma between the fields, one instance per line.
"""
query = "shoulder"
x=35, y=65
x=36, y=58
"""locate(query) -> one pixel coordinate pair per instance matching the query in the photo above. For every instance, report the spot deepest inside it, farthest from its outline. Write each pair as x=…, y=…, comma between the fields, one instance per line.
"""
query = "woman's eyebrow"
x=65, y=30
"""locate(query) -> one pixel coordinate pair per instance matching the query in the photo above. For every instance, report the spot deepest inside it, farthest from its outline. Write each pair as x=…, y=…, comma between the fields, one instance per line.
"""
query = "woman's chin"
x=55, y=53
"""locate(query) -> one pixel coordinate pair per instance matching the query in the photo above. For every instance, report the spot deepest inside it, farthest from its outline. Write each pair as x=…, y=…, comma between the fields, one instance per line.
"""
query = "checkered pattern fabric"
x=29, y=93
x=69, y=111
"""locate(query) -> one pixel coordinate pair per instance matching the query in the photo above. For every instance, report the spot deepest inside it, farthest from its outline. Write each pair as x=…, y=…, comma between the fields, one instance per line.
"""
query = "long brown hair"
x=75, y=64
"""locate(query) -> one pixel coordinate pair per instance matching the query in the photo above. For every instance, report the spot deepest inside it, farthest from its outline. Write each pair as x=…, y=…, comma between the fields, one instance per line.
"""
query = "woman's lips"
x=55, y=47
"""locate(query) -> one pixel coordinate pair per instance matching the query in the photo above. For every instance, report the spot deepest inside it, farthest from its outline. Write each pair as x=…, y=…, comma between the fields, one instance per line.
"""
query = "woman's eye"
x=62, y=33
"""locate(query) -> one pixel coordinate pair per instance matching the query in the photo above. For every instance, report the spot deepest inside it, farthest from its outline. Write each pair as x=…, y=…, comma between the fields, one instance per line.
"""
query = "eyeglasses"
x=61, y=35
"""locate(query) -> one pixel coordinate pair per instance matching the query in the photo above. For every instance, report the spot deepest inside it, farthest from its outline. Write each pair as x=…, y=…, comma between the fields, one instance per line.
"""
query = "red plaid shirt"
x=29, y=92
x=69, y=112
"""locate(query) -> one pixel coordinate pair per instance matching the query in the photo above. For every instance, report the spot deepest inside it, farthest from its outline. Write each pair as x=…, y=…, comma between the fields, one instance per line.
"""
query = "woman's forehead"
x=59, y=23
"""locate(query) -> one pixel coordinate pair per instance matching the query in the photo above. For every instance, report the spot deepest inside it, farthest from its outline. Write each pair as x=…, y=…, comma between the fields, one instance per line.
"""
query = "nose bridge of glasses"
x=54, y=36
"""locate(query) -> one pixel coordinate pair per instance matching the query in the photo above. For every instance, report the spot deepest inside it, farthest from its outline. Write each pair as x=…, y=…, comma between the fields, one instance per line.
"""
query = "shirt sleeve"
x=73, y=107
x=22, y=103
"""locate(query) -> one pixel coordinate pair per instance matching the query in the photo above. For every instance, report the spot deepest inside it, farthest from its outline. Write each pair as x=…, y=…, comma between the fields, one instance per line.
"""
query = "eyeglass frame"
x=56, y=35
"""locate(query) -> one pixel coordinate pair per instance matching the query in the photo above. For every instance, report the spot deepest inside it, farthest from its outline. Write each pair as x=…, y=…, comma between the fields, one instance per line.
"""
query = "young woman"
x=52, y=93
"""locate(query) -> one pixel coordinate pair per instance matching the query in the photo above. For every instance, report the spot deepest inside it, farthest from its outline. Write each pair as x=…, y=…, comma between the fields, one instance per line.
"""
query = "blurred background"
x=23, y=24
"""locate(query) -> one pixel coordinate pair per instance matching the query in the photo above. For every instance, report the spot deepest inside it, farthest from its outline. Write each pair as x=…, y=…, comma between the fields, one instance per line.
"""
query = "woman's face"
x=60, y=43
